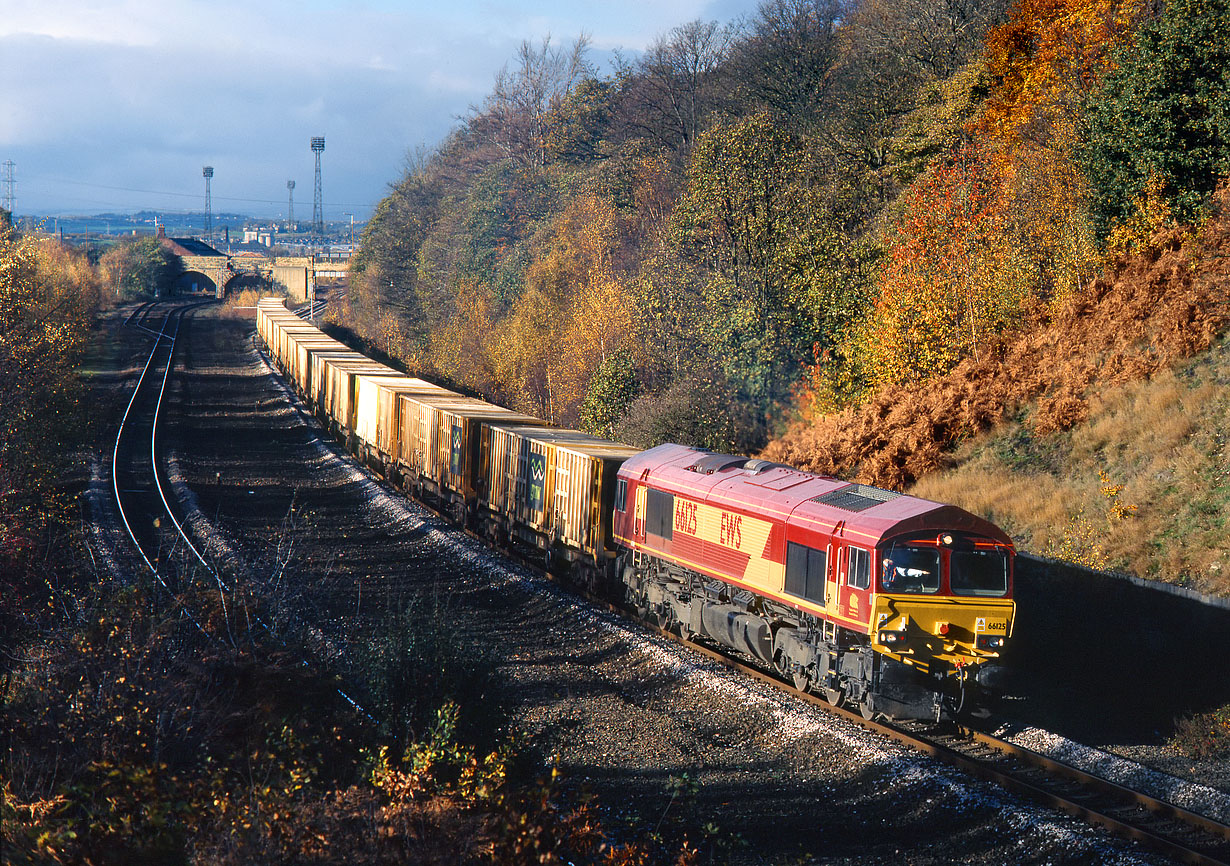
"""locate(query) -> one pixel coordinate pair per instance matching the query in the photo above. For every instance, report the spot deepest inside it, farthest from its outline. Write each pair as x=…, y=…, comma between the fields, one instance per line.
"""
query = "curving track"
x=146, y=511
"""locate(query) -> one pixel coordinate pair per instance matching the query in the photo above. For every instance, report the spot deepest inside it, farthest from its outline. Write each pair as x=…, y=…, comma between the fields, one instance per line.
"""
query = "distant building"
x=262, y=236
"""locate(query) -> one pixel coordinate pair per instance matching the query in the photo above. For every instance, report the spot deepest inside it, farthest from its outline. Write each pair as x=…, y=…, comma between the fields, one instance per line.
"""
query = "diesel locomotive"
x=893, y=604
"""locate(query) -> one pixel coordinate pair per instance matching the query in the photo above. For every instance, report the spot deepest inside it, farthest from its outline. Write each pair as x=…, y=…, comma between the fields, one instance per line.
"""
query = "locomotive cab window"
x=978, y=572
x=860, y=568
x=660, y=514
x=805, y=571
x=621, y=495
x=910, y=569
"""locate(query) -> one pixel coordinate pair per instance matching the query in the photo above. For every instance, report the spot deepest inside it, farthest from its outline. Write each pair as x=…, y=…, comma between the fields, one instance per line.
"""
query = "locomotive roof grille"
x=856, y=497
x=710, y=463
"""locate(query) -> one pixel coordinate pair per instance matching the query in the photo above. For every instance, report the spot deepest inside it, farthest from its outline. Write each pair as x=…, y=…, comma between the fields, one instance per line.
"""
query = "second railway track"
x=148, y=514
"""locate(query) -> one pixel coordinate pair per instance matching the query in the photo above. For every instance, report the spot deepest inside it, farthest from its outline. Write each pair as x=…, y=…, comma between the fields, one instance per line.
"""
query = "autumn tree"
x=669, y=93
x=750, y=221
x=950, y=281
x=1044, y=60
x=893, y=50
x=139, y=269
x=47, y=296
x=573, y=315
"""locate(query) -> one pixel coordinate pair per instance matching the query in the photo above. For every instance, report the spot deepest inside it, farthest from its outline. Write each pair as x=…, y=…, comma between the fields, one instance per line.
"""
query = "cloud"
x=123, y=97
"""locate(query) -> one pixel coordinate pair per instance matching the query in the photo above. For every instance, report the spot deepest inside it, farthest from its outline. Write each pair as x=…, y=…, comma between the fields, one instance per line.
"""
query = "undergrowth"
x=1204, y=735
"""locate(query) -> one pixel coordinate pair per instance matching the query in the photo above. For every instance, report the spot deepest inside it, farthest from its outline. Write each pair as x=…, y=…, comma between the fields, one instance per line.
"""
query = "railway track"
x=151, y=516
x=145, y=509
x=1161, y=826
x=1185, y=836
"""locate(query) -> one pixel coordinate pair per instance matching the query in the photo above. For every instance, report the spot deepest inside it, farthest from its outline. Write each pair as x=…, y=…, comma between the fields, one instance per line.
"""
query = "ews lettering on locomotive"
x=685, y=517
x=732, y=530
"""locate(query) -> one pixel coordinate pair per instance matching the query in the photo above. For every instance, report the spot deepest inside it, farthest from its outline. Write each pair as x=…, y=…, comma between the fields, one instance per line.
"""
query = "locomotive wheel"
x=802, y=681
x=867, y=707
x=834, y=696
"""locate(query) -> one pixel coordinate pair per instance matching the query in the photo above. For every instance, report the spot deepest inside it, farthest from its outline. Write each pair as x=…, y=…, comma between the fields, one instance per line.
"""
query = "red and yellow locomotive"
x=895, y=604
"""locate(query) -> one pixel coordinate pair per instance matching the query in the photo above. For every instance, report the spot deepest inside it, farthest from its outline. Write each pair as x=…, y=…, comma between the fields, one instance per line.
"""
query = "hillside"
x=851, y=236
x=1096, y=433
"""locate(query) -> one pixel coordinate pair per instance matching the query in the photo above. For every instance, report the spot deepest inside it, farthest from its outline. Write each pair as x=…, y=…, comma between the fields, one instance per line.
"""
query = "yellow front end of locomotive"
x=921, y=631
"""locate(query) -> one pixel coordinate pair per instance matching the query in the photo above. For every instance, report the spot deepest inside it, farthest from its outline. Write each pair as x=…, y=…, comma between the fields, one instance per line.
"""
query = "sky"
x=117, y=105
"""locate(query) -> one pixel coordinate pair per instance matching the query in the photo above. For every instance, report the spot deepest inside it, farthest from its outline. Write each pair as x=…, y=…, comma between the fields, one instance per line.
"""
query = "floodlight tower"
x=10, y=200
x=318, y=210
x=290, y=205
x=208, y=172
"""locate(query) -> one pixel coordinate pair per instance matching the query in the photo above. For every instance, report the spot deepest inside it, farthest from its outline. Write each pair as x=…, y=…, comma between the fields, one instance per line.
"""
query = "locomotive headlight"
x=891, y=638
x=990, y=642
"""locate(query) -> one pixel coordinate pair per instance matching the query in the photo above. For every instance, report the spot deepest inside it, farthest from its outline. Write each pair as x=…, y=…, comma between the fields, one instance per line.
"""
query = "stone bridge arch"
x=194, y=281
x=240, y=280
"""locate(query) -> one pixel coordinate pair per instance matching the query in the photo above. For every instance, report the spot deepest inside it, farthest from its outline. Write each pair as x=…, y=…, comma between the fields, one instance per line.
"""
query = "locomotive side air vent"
x=711, y=463
x=856, y=497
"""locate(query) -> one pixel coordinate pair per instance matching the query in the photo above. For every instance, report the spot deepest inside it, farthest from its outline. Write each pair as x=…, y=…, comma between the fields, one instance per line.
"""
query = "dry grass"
x=1093, y=387
x=1164, y=440
x=236, y=303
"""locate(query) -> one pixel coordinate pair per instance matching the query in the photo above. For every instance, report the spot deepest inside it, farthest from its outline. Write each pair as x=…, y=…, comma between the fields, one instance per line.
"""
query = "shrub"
x=1204, y=735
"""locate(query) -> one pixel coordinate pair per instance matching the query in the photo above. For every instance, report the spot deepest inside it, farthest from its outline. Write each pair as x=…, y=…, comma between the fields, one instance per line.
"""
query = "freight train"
x=893, y=604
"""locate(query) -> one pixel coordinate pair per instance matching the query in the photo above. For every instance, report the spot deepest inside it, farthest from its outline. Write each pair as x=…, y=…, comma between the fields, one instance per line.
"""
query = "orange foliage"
x=953, y=276
x=1047, y=53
